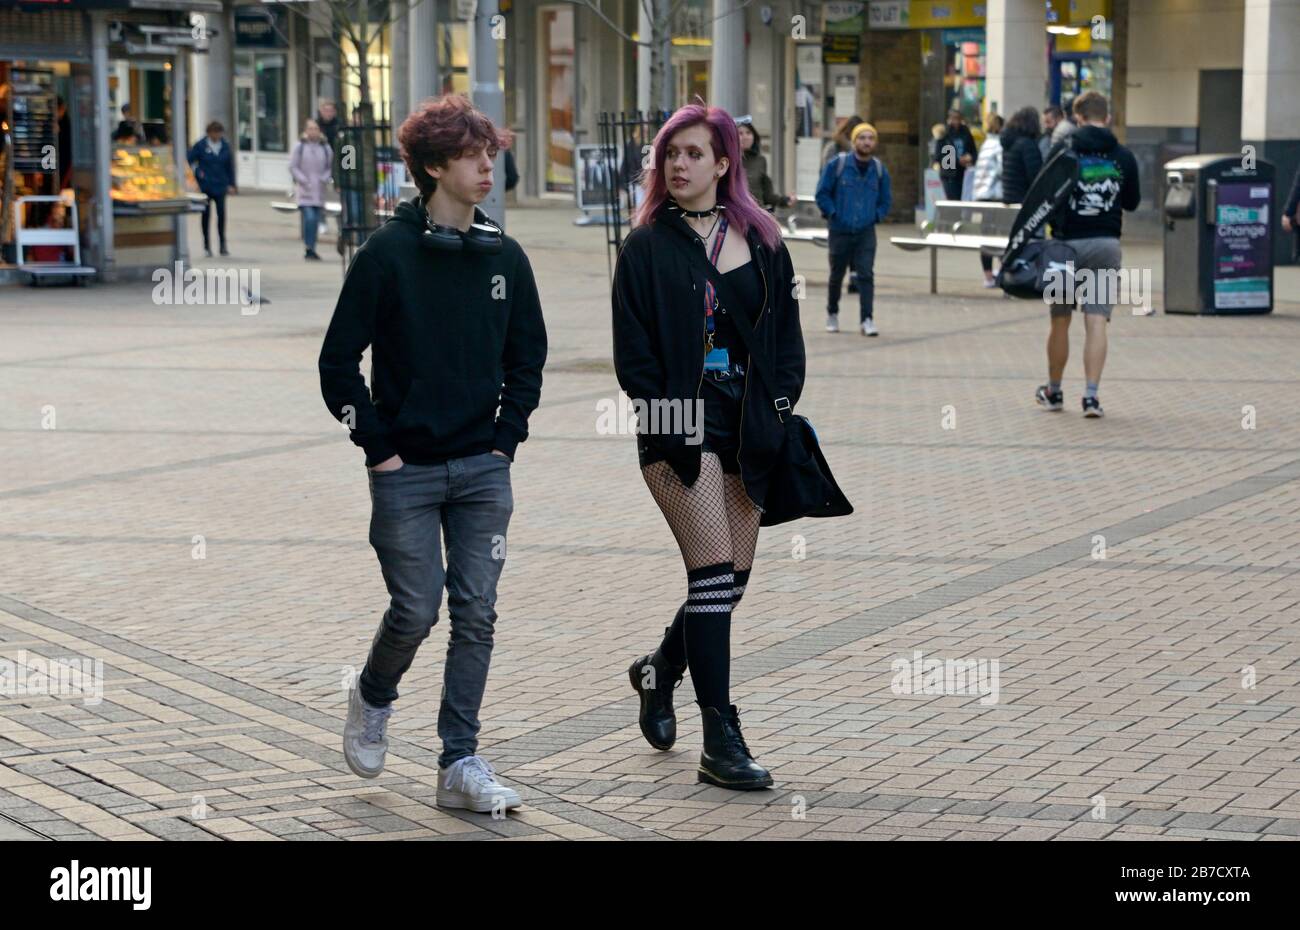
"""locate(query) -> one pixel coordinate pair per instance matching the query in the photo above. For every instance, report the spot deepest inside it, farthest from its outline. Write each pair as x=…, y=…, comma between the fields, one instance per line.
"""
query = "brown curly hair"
x=442, y=129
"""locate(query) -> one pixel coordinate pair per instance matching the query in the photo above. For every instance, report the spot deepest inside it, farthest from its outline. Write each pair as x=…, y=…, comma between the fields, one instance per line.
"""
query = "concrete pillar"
x=643, y=31
x=180, y=133
x=219, y=103
x=1270, y=107
x=197, y=99
x=1016, y=55
x=488, y=97
x=727, y=70
x=422, y=54
x=104, y=125
x=399, y=82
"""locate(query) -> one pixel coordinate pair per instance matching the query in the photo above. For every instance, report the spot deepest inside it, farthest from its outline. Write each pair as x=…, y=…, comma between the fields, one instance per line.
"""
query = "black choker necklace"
x=699, y=214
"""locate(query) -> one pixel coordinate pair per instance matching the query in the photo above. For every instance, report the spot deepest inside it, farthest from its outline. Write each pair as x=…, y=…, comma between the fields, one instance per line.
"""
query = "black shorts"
x=722, y=400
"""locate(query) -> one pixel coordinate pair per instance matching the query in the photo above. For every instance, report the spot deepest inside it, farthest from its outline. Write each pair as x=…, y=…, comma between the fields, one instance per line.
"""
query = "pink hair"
x=743, y=210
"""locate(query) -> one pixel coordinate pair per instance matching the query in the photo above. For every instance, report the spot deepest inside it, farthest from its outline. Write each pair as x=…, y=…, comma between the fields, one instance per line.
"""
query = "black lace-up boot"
x=726, y=760
x=653, y=679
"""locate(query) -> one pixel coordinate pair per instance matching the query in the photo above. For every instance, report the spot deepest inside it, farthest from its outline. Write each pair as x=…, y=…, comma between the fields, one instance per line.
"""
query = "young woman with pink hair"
x=702, y=264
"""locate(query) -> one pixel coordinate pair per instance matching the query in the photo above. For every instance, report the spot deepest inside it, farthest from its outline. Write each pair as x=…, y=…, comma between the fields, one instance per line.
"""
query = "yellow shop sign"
x=925, y=14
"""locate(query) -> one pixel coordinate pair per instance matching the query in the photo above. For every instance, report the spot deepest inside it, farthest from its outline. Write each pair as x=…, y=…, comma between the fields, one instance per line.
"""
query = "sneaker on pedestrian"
x=1052, y=400
x=1091, y=407
x=990, y=282
x=869, y=327
x=224, y=250
x=470, y=784
x=365, y=735
x=832, y=323
x=311, y=255
x=207, y=251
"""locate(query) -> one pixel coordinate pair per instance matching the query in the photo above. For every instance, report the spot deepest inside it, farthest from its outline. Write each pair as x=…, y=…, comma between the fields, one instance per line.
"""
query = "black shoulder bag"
x=801, y=483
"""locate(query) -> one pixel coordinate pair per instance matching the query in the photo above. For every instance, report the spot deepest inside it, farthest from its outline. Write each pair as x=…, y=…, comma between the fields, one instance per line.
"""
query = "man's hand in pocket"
x=500, y=453
x=391, y=464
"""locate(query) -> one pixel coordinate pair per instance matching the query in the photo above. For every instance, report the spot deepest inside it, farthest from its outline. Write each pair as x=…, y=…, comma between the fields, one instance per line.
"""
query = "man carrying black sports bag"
x=1087, y=184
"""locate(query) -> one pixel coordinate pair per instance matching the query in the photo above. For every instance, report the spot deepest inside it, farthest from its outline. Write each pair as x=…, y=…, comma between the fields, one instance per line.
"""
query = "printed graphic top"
x=1108, y=185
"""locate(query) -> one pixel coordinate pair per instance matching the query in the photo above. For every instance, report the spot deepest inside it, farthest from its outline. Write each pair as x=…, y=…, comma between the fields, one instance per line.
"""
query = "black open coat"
x=658, y=303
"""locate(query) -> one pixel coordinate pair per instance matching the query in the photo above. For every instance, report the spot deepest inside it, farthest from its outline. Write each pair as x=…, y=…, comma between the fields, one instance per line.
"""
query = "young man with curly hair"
x=449, y=308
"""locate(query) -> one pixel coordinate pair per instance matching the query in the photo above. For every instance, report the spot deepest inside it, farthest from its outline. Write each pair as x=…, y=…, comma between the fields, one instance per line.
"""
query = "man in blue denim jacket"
x=853, y=194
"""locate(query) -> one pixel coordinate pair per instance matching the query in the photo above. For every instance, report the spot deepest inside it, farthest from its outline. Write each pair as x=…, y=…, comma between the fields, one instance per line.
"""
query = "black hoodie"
x=1108, y=185
x=453, y=335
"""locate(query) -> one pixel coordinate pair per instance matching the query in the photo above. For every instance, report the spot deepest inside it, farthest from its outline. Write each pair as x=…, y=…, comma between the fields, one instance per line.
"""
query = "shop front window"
x=244, y=116
x=809, y=112
x=964, y=72
x=271, y=80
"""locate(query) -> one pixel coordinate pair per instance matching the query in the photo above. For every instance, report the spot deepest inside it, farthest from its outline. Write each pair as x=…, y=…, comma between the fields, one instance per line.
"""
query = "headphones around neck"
x=482, y=238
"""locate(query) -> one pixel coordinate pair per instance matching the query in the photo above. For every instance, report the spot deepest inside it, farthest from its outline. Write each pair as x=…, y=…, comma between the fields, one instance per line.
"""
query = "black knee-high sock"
x=706, y=628
x=672, y=651
x=738, y=589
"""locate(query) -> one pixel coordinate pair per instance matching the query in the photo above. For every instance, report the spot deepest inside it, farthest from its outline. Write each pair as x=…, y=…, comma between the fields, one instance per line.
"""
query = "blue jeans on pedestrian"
x=470, y=501
x=310, y=225
x=856, y=250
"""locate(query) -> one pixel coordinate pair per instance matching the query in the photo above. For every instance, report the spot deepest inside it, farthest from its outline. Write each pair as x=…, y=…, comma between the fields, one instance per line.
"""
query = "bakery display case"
x=144, y=181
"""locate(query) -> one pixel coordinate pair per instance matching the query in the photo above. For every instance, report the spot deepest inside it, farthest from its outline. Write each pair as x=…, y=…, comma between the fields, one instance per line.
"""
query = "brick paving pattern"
x=1149, y=694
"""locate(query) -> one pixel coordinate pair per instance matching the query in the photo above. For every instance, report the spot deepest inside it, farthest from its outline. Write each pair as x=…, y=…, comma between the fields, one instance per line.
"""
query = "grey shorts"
x=1099, y=253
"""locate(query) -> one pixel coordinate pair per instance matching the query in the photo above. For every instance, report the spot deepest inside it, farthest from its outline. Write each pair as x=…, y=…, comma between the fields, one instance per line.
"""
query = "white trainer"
x=869, y=328
x=365, y=736
x=470, y=784
x=832, y=323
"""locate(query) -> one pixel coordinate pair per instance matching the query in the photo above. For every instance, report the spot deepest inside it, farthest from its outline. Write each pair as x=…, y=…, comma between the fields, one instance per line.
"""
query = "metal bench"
x=333, y=208
x=68, y=237
x=972, y=226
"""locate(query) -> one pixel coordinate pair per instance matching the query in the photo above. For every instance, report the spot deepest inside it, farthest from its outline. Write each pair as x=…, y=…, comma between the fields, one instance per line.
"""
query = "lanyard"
x=710, y=294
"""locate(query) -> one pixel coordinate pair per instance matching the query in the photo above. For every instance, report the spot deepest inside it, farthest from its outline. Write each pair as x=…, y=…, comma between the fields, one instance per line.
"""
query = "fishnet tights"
x=713, y=520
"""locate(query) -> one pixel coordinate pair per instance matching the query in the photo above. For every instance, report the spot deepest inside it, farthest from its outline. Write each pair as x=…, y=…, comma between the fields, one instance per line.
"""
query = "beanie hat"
x=862, y=127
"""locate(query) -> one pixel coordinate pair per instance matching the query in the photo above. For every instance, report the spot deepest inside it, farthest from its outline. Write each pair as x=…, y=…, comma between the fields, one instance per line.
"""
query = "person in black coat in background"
x=955, y=152
x=1021, y=157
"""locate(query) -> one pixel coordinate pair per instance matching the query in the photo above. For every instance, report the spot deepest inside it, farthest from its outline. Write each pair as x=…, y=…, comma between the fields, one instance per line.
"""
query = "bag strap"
x=757, y=357
x=710, y=292
x=741, y=323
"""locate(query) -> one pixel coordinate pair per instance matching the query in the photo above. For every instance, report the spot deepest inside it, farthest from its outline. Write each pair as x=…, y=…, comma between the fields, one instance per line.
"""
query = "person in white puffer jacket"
x=988, y=179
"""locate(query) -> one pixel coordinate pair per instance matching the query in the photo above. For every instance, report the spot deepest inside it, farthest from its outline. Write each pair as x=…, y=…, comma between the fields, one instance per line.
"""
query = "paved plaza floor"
x=176, y=503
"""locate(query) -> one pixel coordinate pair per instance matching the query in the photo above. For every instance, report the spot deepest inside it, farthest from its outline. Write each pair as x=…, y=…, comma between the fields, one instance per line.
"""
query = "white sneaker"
x=470, y=784
x=869, y=328
x=365, y=735
x=832, y=323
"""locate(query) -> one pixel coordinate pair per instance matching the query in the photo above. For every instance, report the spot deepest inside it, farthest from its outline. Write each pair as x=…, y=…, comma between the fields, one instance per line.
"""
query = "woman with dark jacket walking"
x=683, y=289
x=311, y=164
x=213, y=165
x=1021, y=158
x=760, y=185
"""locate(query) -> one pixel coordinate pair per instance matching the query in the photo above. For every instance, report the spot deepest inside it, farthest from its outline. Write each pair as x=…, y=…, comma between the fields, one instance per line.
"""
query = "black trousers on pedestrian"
x=856, y=250
x=220, y=201
x=952, y=184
